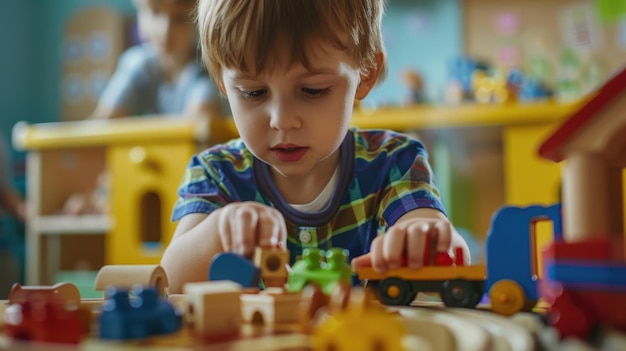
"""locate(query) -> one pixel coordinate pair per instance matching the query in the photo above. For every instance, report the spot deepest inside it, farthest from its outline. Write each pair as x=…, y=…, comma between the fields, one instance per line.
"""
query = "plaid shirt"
x=382, y=175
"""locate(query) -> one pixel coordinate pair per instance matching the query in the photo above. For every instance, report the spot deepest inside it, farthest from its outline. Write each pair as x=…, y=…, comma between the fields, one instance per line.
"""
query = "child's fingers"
x=376, y=250
x=394, y=242
x=416, y=244
x=444, y=235
x=279, y=233
x=362, y=261
x=269, y=228
x=244, y=222
x=225, y=230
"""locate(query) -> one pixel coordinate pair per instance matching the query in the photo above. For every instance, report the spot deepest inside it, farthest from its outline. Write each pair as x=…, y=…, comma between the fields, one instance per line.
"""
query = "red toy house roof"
x=551, y=148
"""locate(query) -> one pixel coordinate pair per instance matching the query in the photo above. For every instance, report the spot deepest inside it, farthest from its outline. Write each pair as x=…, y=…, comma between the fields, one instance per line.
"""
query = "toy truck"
x=510, y=276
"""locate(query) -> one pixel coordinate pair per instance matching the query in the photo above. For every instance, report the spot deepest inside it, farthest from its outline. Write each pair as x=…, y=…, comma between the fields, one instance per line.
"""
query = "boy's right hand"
x=245, y=225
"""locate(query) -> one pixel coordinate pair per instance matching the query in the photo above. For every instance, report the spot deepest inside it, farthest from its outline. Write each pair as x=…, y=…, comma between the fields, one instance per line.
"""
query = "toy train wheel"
x=460, y=293
x=507, y=297
x=395, y=291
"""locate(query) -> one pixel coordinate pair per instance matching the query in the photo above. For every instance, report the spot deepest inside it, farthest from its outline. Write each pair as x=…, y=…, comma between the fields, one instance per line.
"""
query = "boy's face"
x=292, y=118
x=167, y=25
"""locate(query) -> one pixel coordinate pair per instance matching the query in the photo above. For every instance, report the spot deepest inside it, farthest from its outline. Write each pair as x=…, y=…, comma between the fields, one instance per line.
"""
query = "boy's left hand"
x=407, y=239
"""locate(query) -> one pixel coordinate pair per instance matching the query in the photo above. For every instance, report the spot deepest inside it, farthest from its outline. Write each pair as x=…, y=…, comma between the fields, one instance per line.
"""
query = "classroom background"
x=56, y=56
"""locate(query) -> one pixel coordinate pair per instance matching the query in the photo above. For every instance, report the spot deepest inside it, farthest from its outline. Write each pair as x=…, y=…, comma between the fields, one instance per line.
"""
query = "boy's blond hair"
x=231, y=30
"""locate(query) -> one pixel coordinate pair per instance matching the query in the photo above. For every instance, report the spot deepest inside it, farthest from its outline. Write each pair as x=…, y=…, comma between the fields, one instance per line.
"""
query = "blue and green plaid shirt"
x=382, y=175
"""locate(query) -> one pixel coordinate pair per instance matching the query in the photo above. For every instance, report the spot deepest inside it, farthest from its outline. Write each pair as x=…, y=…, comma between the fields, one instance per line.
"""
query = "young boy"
x=299, y=176
x=162, y=75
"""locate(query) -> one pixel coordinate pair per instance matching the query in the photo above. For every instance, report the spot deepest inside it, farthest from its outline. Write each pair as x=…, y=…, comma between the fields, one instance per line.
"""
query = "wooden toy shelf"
x=144, y=159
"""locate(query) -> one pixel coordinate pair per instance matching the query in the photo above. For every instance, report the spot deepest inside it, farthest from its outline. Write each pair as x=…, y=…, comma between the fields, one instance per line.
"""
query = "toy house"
x=592, y=144
x=588, y=261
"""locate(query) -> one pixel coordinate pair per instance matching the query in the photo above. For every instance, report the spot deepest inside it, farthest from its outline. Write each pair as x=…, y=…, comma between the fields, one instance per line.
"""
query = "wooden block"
x=269, y=307
x=126, y=276
x=214, y=307
x=273, y=263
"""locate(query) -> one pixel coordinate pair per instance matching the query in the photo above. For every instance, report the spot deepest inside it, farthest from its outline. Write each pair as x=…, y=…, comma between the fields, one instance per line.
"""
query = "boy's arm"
x=189, y=254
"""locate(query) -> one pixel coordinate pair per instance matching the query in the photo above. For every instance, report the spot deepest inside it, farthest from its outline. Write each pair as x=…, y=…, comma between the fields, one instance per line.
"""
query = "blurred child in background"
x=163, y=75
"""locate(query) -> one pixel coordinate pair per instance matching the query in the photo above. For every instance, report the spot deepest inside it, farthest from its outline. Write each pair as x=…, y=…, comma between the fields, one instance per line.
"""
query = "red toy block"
x=43, y=318
x=605, y=249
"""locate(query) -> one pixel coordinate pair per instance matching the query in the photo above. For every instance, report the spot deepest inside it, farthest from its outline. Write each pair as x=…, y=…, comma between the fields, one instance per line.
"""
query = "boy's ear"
x=369, y=81
x=221, y=87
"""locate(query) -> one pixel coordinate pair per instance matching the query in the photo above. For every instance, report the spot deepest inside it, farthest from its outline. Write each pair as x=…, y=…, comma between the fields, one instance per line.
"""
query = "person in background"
x=163, y=75
x=300, y=176
x=12, y=204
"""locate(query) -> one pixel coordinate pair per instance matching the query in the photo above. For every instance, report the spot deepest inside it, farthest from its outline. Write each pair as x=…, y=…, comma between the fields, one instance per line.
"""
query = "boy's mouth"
x=289, y=153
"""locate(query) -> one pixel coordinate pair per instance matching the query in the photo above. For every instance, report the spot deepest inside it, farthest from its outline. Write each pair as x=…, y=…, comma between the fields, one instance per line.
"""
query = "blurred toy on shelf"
x=593, y=74
x=415, y=86
x=95, y=201
x=526, y=87
x=459, y=85
x=491, y=87
x=568, y=85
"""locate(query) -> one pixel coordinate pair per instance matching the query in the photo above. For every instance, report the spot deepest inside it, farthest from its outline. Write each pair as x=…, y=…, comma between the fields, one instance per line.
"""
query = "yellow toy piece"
x=361, y=326
x=490, y=88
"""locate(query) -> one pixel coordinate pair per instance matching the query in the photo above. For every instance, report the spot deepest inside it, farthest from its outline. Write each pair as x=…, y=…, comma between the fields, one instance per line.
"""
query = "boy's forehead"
x=316, y=55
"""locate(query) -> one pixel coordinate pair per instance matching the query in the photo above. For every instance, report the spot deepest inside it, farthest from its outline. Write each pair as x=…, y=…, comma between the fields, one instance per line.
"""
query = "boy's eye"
x=315, y=92
x=252, y=94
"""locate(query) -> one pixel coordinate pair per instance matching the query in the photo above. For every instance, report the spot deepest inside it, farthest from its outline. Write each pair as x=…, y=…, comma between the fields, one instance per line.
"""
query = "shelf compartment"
x=73, y=224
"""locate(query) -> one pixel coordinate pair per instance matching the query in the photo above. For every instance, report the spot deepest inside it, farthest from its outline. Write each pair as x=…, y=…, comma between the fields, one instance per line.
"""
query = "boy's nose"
x=284, y=117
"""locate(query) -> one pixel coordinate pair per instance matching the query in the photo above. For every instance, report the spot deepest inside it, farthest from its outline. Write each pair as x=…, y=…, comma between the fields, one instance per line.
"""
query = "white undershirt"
x=322, y=199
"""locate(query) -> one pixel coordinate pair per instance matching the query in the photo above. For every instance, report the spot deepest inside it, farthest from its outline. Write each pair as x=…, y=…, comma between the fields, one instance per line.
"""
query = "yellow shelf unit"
x=144, y=158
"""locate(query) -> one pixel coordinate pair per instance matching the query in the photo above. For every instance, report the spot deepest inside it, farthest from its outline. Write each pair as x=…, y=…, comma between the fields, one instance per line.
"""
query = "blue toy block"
x=588, y=275
x=137, y=317
x=234, y=267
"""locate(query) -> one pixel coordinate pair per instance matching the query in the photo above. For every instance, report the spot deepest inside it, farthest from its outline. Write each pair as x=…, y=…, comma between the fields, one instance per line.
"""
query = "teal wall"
x=21, y=49
x=30, y=57
x=423, y=35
